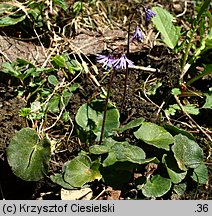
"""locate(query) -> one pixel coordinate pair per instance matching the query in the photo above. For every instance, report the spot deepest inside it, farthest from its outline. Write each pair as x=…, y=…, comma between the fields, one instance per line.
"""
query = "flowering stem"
x=127, y=68
x=106, y=103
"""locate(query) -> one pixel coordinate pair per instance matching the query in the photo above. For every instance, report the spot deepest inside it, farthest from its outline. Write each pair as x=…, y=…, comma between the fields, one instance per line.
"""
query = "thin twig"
x=38, y=37
x=200, y=128
x=184, y=11
x=5, y=56
x=101, y=193
x=143, y=68
x=2, y=194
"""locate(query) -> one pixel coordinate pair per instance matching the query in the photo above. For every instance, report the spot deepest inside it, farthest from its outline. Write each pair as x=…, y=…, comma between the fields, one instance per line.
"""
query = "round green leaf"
x=154, y=135
x=89, y=117
x=79, y=171
x=176, y=91
x=86, y=117
x=156, y=187
x=187, y=152
x=200, y=174
x=176, y=177
x=28, y=156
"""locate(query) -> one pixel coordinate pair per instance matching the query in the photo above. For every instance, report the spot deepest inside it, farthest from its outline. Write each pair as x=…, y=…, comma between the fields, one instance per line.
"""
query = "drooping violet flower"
x=138, y=35
x=106, y=60
x=149, y=14
x=121, y=63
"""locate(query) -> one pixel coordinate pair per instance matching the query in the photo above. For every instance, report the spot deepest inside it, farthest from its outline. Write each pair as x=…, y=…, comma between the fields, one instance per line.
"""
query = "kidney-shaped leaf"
x=154, y=135
x=28, y=156
x=156, y=187
x=187, y=152
x=79, y=171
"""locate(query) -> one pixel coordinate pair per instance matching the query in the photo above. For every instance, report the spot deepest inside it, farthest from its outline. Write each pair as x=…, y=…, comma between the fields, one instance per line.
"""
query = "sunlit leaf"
x=53, y=105
x=123, y=151
x=59, y=61
x=155, y=135
x=175, y=91
x=4, y=7
x=10, y=68
x=98, y=149
x=66, y=117
x=191, y=109
x=163, y=23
